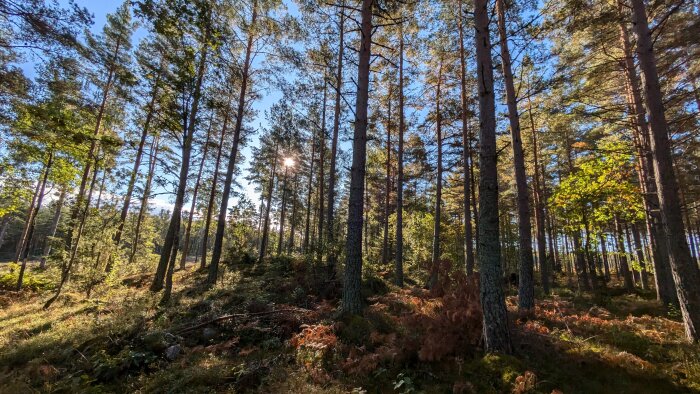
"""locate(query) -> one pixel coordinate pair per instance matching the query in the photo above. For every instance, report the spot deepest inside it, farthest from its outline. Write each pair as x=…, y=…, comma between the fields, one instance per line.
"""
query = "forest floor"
x=273, y=328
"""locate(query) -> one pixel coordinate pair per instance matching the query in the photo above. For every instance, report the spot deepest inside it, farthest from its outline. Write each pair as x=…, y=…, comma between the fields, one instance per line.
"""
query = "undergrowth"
x=274, y=327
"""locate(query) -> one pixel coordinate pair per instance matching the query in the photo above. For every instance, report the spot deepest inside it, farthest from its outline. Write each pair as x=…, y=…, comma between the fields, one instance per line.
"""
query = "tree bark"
x=686, y=273
x=352, y=298
x=496, y=331
x=526, y=289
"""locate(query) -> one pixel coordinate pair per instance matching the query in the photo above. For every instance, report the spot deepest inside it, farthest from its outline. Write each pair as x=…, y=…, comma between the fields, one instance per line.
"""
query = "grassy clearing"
x=284, y=337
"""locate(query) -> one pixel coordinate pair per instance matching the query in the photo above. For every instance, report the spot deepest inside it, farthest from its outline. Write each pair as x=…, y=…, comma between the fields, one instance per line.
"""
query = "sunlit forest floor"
x=273, y=328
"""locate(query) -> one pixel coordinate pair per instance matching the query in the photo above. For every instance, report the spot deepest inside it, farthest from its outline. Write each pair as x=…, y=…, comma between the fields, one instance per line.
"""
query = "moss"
x=355, y=330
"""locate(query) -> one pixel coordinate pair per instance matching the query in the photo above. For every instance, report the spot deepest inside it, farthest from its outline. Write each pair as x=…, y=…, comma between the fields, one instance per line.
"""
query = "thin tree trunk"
x=145, y=197
x=437, y=213
x=21, y=244
x=186, y=244
x=385, y=240
x=539, y=206
x=212, y=193
x=622, y=257
x=466, y=152
x=268, y=203
x=285, y=186
x=77, y=235
x=309, y=188
x=399, y=187
x=352, y=298
x=321, y=182
x=526, y=289
x=292, y=230
x=173, y=234
x=604, y=251
x=137, y=165
x=686, y=273
x=31, y=220
x=496, y=331
x=73, y=235
x=639, y=248
x=332, y=175
x=221, y=223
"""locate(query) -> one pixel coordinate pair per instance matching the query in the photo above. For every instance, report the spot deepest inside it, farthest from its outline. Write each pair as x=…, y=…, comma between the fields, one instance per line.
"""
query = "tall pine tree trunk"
x=539, y=205
x=526, y=290
x=352, y=298
x=686, y=273
x=466, y=151
x=437, y=212
x=309, y=190
x=223, y=209
x=322, y=244
x=387, y=195
x=496, y=331
x=333, y=173
x=665, y=288
x=398, y=278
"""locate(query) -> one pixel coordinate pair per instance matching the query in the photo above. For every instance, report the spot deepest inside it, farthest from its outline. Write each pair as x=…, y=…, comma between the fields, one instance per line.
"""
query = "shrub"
x=31, y=281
